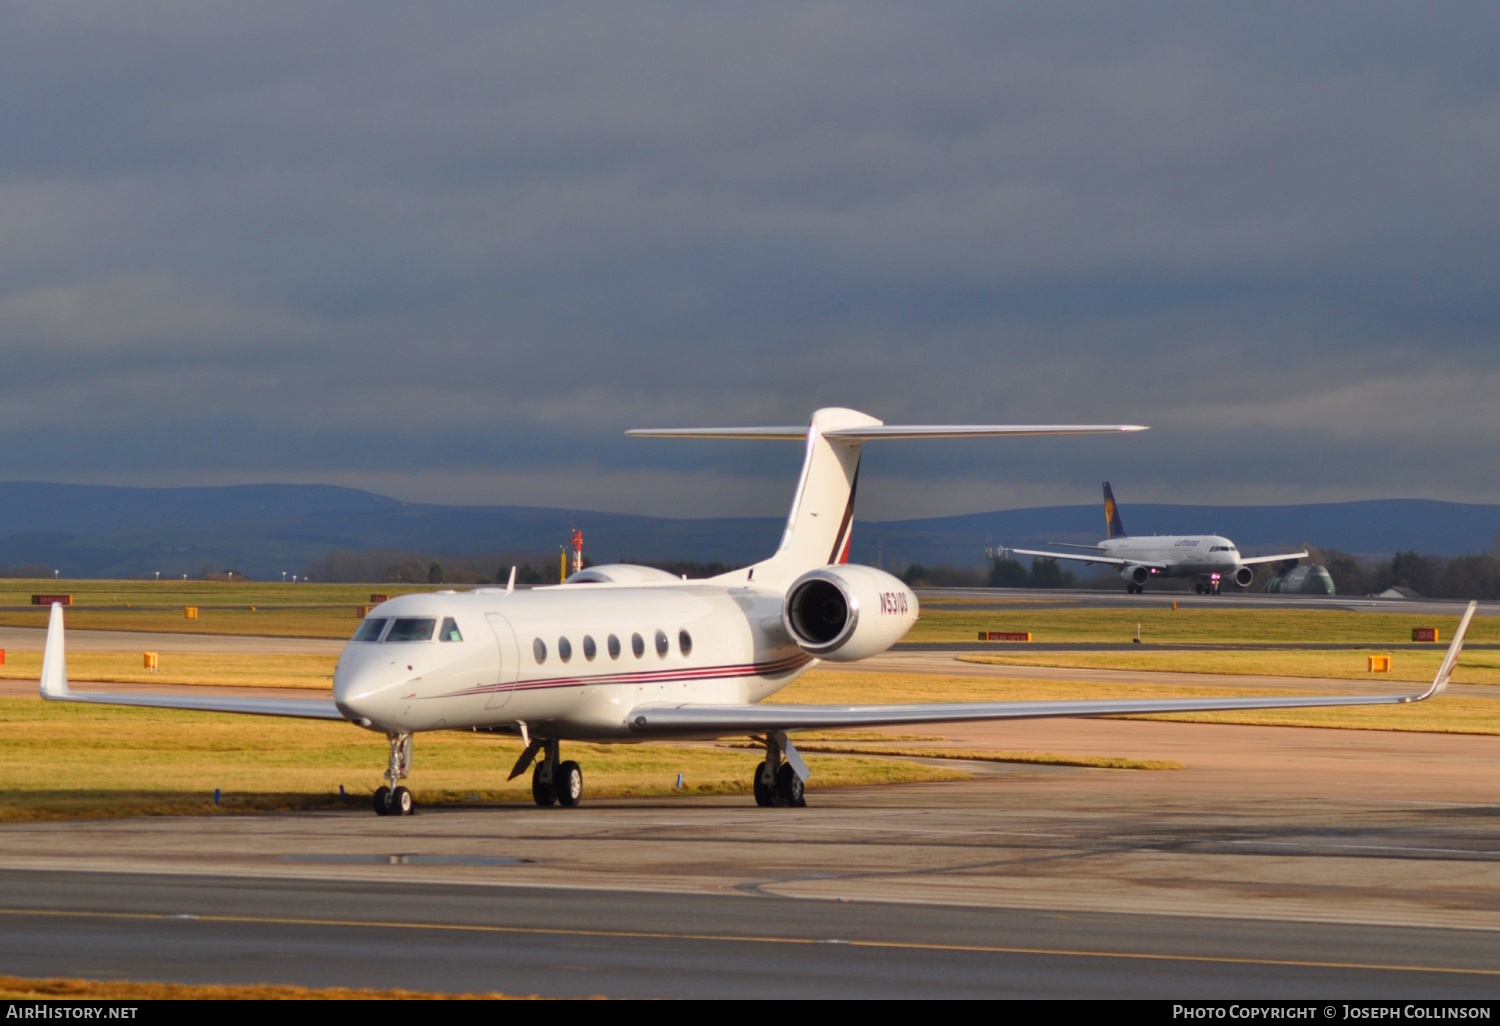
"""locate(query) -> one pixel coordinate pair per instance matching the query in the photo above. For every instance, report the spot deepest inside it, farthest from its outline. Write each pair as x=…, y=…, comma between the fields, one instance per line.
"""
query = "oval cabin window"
x=685, y=643
x=539, y=649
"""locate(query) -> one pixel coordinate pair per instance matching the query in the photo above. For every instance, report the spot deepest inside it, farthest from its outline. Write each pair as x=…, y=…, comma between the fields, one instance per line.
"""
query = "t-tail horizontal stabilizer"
x=54, y=688
x=821, y=522
x=718, y=720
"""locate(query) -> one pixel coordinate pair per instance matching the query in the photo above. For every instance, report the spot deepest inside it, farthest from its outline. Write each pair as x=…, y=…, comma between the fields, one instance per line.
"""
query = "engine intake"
x=1243, y=576
x=1137, y=575
x=844, y=613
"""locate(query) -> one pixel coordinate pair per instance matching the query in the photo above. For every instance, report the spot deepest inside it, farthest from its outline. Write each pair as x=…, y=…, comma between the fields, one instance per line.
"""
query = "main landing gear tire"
x=789, y=787
x=765, y=796
x=542, y=792
x=569, y=785
x=393, y=803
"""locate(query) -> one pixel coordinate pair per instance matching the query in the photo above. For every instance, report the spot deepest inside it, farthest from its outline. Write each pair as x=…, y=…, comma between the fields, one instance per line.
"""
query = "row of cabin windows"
x=612, y=643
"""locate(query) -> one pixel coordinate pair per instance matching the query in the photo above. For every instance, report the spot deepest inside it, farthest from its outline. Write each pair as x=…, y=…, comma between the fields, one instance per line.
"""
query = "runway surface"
x=1035, y=598
x=580, y=943
x=1279, y=862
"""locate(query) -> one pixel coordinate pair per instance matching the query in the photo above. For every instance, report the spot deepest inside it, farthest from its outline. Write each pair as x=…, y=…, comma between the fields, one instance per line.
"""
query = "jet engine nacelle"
x=843, y=613
x=1243, y=576
x=1136, y=575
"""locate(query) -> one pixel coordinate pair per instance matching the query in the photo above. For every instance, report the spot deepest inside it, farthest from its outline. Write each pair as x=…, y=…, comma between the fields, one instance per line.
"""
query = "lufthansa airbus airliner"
x=1209, y=557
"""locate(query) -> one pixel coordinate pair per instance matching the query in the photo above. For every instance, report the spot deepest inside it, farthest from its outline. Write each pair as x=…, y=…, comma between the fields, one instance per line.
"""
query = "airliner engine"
x=843, y=613
x=1243, y=576
x=1136, y=575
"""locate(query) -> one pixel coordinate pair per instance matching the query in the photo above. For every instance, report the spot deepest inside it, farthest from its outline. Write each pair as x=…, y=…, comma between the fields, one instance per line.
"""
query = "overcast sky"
x=449, y=252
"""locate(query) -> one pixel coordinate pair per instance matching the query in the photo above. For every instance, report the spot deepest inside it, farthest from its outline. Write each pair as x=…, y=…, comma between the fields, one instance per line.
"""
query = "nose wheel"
x=391, y=799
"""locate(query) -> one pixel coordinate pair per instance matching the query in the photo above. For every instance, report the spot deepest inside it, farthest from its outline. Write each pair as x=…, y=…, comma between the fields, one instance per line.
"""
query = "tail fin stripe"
x=840, y=553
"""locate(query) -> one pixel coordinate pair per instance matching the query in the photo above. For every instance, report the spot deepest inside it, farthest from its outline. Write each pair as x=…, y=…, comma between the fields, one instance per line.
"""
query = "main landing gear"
x=779, y=783
x=392, y=799
x=552, y=782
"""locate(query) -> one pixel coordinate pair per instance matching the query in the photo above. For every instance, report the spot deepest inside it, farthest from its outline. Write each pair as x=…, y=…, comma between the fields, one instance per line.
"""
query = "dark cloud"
x=451, y=251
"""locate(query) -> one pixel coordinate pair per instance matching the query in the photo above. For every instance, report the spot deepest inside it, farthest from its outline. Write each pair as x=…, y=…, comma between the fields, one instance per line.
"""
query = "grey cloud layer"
x=472, y=242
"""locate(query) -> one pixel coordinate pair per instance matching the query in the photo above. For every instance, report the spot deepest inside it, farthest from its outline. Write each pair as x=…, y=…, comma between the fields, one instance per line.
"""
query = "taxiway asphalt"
x=1277, y=862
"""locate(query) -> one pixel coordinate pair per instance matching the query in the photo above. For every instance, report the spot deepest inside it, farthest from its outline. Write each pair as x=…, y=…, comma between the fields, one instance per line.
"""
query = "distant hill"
x=262, y=530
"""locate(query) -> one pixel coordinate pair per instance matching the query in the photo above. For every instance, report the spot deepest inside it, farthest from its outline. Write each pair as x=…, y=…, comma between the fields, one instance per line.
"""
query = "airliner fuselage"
x=569, y=661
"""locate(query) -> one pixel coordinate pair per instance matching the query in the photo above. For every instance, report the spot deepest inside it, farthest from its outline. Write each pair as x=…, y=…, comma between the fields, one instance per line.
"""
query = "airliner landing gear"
x=552, y=782
x=391, y=799
x=776, y=783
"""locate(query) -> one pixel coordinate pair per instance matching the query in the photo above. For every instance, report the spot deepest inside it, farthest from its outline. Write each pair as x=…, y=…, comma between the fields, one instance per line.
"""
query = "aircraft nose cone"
x=365, y=689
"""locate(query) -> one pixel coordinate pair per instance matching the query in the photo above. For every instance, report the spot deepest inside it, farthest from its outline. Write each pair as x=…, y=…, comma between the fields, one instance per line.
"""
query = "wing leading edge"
x=708, y=720
x=1273, y=559
x=1082, y=557
x=54, y=688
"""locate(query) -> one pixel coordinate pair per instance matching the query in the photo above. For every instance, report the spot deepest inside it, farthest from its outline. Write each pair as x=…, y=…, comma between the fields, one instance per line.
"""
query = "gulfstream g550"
x=627, y=653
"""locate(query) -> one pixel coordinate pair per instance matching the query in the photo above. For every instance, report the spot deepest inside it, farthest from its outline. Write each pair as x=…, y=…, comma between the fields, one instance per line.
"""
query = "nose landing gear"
x=391, y=799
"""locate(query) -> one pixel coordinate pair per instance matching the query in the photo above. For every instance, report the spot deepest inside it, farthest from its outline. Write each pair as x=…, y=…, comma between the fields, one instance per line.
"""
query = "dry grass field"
x=1449, y=714
x=18, y=988
x=203, y=669
x=63, y=761
x=1481, y=666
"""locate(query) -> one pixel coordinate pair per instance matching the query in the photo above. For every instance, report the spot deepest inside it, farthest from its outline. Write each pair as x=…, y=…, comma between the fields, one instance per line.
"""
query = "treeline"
x=1461, y=577
x=1002, y=573
x=389, y=566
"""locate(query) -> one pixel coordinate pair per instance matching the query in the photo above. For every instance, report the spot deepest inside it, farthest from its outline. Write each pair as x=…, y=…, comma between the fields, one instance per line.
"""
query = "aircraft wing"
x=1083, y=557
x=55, y=688
x=1273, y=559
x=711, y=720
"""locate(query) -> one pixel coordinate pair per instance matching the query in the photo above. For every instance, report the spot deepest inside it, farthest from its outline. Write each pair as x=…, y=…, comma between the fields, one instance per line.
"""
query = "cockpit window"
x=412, y=628
x=450, y=630
x=370, y=629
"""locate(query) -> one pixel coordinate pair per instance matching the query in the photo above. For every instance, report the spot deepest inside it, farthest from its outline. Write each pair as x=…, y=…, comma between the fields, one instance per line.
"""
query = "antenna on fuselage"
x=510, y=585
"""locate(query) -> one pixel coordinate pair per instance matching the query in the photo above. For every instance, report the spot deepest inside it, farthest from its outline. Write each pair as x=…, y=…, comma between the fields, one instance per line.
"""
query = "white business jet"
x=627, y=653
x=1210, y=558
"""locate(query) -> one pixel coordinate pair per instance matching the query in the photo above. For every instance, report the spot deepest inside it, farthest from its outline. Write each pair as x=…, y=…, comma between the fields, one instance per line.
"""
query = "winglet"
x=1451, y=659
x=55, y=659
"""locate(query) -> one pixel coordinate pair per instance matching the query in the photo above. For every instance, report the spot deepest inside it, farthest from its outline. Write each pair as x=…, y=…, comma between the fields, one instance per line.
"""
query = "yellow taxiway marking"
x=731, y=938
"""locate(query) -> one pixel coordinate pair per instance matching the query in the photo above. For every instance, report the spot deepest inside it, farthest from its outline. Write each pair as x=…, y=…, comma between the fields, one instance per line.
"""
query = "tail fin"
x=821, y=523
x=1113, y=527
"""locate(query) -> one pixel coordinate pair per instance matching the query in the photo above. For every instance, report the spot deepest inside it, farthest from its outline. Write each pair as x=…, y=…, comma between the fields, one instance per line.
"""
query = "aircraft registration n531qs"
x=1209, y=557
x=627, y=653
